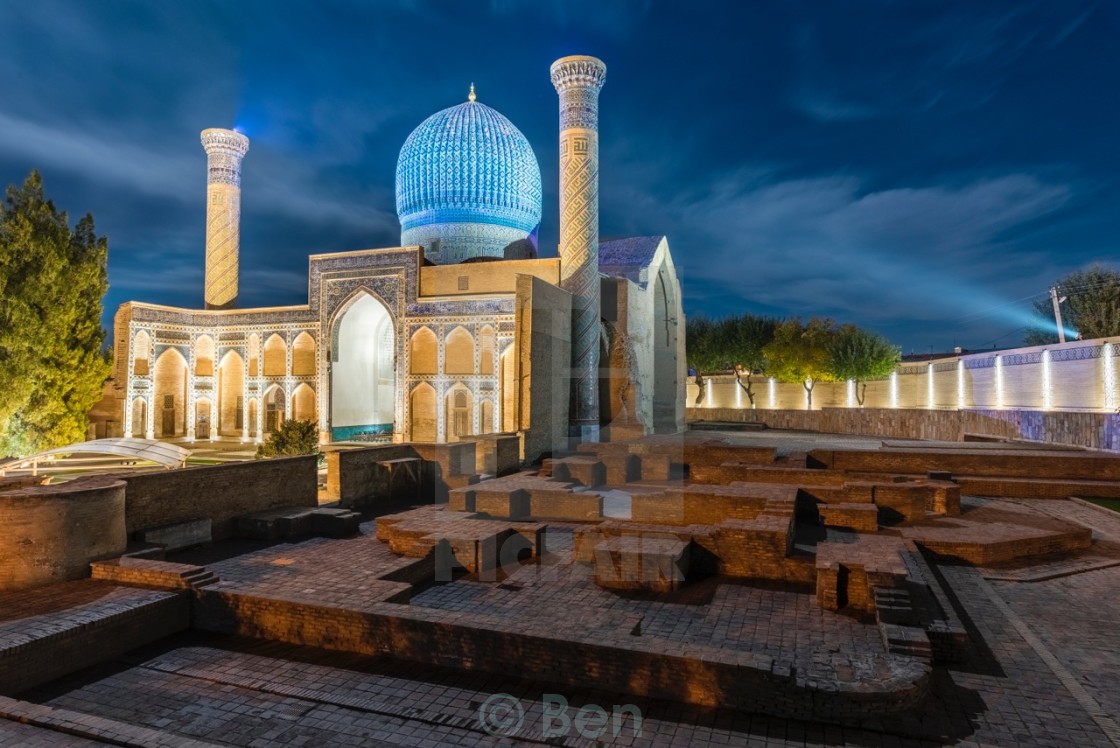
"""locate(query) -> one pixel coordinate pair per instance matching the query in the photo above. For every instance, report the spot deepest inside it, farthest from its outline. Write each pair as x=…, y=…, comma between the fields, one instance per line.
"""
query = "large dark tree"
x=1092, y=307
x=860, y=355
x=52, y=281
x=799, y=353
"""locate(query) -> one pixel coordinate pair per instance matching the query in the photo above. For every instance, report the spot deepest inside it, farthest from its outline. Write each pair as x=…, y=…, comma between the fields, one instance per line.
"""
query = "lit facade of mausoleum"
x=460, y=331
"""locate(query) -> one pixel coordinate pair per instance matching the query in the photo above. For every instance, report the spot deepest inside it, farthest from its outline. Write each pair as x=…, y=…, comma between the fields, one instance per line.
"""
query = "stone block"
x=588, y=471
x=644, y=562
x=506, y=503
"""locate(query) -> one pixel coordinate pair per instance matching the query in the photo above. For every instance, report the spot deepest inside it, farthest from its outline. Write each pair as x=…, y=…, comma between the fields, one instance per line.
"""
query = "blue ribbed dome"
x=468, y=183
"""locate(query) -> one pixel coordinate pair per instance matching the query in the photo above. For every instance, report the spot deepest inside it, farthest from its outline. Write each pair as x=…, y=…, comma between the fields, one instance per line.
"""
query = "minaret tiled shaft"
x=224, y=151
x=577, y=80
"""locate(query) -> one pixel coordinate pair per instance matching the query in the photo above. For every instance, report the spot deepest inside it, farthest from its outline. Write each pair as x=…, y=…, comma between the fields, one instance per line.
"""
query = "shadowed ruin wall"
x=51, y=533
x=219, y=492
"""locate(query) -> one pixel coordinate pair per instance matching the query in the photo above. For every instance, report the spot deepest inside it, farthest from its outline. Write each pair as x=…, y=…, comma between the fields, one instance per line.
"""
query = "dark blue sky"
x=925, y=169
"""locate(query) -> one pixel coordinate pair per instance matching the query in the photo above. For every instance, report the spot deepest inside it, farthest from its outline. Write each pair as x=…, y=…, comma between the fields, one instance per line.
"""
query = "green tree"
x=1092, y=307
x=742, y=341
x=52, y=281
x=292, y=439
x=732, y=344
x=701, y=350
x=799, y=353
x=860, y=355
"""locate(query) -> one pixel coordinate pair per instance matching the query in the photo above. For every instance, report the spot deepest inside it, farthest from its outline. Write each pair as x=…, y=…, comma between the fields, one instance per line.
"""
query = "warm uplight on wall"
x=960, y=383
x=999, y=382
x=851, y=393
x=894, y=389
x=708, y=393
x=929, y=386
x=1047, y=383
x=1108, y=360
x=773, y=393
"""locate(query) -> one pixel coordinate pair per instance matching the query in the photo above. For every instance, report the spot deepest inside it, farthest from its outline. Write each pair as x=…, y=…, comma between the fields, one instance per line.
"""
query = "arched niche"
x=254, y=354
x=666, y=382
x=423, y=352
x=141, y=345
x=204, y=356
x=275, y=356
x=508, y=396
x=303, y=403
x=486, y=417
x=486, y=350
x=458, y=352
x=363, y=384
x=303, y=355
x=422, y=407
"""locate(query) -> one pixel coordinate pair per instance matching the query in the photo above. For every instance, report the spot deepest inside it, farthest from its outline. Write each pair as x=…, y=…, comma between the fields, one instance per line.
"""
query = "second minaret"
x=224, y=151
x=578, y=80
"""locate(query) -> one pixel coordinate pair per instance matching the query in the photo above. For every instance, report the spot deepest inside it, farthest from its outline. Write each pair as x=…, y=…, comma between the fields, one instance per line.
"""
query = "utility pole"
x=1058, y=313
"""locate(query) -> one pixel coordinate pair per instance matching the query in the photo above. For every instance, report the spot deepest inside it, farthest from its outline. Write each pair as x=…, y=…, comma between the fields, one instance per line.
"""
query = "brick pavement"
x=1043, y=672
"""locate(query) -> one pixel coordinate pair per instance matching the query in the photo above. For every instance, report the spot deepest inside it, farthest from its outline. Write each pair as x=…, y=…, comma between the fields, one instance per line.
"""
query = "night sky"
x=924, y=169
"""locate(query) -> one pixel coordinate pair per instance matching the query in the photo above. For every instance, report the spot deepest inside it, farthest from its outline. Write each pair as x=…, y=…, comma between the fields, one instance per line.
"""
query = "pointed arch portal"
x=362, y=371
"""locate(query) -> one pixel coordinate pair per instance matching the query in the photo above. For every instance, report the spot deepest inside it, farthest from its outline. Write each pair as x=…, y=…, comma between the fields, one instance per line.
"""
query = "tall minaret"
x=577, y=80
x=224, y=151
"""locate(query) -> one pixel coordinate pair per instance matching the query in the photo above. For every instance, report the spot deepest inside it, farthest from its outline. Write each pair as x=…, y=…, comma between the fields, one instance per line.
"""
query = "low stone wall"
x=51, y=533
x=1094, y=430
x=219, y=492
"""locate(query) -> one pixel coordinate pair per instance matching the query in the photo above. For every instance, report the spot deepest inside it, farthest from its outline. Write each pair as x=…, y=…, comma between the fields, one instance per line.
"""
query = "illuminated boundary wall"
x=1066, y=394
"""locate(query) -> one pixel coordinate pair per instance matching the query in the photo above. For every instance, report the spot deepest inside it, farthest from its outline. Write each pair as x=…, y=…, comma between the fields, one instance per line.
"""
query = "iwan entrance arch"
x=362, y=372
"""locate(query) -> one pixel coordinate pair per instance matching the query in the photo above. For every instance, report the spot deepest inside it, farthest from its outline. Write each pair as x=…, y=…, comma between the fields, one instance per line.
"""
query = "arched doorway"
x=274, y=409
x=460, y=413
x=202, y=418
x=170, y=407
x=139, y=418
x=362, y=370
x=231, y=395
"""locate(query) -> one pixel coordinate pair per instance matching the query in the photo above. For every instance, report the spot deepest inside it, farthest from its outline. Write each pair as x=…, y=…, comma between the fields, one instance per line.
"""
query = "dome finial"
x=471, y=96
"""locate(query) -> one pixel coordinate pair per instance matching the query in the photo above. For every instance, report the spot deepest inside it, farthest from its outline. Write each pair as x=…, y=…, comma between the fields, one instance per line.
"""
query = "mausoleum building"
x=460, y=331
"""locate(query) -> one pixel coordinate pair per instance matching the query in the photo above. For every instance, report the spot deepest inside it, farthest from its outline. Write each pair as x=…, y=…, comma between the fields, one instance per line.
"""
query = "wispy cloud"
x=827, y=246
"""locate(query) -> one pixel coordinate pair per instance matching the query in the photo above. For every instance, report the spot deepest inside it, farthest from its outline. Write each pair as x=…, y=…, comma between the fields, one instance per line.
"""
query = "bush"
x=291, y=439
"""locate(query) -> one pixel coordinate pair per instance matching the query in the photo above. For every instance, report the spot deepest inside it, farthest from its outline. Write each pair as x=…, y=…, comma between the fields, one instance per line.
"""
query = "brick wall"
x=87, y=639
x=1094, y=430
x=606, y=654
x=51, y=533
x=220, y=492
